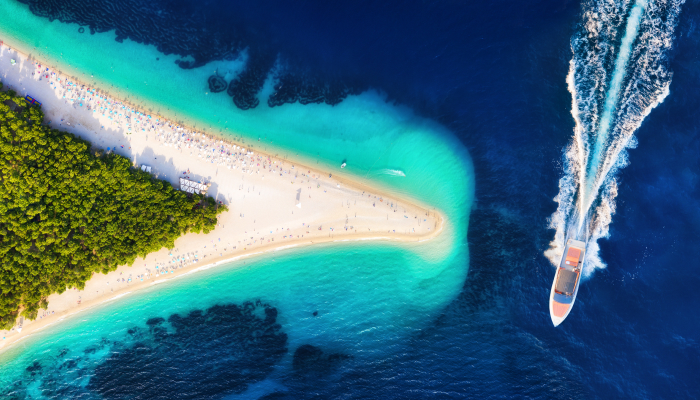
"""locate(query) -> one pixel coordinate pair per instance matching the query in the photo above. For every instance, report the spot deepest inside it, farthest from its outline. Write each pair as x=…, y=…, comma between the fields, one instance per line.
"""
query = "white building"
x=189, y=186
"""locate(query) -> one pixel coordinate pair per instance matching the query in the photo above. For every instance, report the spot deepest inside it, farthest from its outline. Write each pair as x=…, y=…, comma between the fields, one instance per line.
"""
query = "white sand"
x=272, y=203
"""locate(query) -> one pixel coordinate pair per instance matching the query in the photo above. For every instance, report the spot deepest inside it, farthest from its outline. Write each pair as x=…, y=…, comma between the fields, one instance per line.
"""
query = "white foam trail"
x=607, y=110
x=611, y=100
x=392, y=172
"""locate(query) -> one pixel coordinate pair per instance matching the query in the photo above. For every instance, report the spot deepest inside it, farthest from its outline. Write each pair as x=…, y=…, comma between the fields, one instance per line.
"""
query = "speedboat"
x=566, y=281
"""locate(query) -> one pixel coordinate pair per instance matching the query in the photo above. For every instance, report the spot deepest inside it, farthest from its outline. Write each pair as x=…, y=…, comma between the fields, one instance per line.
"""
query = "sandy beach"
x=274, y=203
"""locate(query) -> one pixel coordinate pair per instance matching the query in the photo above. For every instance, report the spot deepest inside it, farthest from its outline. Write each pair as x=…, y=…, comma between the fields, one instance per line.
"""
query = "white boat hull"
x=558, y=311
x=555, y=319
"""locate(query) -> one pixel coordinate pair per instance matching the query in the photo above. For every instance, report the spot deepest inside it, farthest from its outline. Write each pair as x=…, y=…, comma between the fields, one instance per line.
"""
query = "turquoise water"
x=369, y=296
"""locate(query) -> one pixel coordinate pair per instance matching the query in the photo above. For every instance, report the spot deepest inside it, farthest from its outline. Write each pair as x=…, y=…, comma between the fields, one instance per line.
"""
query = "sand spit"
x=274, y=203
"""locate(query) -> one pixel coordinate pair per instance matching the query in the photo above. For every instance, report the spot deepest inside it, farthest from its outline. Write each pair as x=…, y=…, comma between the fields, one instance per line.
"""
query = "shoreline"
x=302, y=161
x=351, y=186
x=39, y=325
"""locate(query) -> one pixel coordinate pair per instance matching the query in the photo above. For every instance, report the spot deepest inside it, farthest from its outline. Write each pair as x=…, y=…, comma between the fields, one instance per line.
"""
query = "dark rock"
x=81, y=30
x=270, y=313
x=245, y=87
x=172, y=32
x=310, y=359
x=198, y=36
x=305, y=89
x=70, y=364
x=217, y=84
x=155, y=321
x=34, y=368
x=224, y=348
x=306, y=355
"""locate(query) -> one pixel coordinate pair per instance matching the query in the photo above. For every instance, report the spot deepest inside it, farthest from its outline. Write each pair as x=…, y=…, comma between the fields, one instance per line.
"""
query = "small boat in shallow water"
x=343, y=165
x=566, y=281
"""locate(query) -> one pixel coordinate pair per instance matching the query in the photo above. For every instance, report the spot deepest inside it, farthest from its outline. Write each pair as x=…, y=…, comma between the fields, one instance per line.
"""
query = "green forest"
x=68, y=211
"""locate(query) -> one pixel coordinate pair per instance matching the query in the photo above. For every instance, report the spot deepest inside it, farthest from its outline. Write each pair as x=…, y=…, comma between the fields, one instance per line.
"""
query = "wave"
x=619, y=72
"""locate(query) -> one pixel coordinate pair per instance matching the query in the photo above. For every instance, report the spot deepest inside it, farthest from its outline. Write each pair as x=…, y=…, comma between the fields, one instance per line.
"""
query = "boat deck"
x=566, y=281
x=570, y=267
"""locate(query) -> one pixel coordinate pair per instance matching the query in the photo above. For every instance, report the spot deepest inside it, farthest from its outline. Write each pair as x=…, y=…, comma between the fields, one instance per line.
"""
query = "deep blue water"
x=494, y=73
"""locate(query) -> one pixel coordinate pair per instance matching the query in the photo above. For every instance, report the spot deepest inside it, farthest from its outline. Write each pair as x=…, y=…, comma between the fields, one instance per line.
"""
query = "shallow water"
x=493, y=74
x=367, y=297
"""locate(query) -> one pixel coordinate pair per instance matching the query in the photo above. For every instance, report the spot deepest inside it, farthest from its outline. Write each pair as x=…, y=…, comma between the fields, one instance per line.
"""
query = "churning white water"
x=618, y=74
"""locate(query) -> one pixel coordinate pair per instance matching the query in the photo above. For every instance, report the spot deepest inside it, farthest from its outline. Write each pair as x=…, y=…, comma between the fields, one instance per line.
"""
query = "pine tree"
x=67, y=212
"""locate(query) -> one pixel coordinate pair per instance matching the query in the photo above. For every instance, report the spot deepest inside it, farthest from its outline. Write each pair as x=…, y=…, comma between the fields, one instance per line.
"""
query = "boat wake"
x=391, y=172
x=618, y=74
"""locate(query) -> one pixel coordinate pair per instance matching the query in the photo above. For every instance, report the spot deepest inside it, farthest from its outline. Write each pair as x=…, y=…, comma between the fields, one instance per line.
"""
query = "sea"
x=490, y=112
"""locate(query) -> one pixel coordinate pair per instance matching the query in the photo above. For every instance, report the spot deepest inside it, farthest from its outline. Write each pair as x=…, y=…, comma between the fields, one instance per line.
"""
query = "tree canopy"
x=67, y=212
